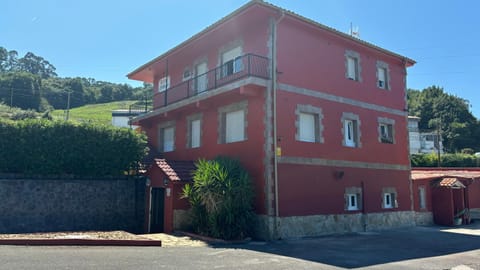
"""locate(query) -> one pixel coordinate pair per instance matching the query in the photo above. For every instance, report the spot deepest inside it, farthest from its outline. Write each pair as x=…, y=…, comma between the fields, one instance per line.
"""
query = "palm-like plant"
x=221, y=197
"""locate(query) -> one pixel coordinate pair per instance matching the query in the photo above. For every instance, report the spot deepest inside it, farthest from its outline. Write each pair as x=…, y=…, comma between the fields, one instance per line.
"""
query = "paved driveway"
x=414, y=248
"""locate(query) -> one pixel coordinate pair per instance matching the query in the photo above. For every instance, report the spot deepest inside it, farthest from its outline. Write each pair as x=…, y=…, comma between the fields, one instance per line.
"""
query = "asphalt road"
x=414, y=248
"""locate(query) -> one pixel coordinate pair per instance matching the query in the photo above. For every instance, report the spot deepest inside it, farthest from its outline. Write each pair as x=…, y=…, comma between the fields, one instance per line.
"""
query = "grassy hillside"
x=96, y=113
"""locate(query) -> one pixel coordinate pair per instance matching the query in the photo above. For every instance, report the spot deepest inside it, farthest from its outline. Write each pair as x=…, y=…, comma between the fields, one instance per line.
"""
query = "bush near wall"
x=447, y=160
x=41, y=147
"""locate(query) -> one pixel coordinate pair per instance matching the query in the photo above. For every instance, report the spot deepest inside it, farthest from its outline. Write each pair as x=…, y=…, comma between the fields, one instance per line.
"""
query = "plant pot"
x=457, y=221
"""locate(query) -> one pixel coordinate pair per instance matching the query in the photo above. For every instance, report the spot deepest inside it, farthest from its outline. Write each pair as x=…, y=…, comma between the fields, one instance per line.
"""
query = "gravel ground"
x=111, y=235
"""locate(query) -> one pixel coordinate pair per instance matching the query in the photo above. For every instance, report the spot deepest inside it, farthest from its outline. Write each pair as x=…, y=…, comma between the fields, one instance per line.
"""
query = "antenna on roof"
x=354, y=31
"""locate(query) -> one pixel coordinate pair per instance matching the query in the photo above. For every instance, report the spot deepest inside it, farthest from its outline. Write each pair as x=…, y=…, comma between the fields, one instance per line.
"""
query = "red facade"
x=330, y=124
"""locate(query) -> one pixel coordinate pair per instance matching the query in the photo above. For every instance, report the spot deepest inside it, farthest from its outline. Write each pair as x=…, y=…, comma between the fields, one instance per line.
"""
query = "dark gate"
x=157, y=212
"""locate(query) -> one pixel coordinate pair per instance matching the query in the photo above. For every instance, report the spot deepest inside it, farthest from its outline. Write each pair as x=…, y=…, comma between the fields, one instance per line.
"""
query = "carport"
x=454, y=194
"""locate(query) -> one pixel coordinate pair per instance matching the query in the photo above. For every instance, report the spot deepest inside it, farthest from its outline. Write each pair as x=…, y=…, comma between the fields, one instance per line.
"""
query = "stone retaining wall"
x=40, y=205
x=317, y=225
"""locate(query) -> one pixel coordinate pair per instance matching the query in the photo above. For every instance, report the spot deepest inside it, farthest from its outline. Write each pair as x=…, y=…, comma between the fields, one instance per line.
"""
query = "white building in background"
x=120, y=118
x=422, y=142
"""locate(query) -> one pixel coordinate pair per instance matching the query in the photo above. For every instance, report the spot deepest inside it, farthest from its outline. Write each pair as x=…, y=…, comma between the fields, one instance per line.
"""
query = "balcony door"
x=201, y=77
x=232, y=61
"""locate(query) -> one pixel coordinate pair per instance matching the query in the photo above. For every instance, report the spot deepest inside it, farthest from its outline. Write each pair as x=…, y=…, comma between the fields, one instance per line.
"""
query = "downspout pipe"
x=274, y=115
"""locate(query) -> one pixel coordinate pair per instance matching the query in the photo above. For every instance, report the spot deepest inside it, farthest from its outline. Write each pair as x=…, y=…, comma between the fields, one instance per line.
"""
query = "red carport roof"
x=426, y=174
x=176, y=170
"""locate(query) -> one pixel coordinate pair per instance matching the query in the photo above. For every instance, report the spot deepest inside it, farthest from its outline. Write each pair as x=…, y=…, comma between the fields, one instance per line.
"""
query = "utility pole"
x=11, y=97
x=68, y=106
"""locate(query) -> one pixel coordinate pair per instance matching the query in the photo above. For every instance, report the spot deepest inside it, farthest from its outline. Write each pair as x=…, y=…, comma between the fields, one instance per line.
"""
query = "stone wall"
x=39, y=205
x=424, y=218
x=317, y=225
x=181, y=219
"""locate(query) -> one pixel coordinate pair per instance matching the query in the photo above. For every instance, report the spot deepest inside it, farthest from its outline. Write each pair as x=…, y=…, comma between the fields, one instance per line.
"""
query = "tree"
x=221, y=198
x=36, y=65
x=450, y=113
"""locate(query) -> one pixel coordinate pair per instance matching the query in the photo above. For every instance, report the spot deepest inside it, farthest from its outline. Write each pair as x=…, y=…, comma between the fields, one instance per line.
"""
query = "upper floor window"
x=232, y=61
x=166, y=138
x=351, y=130
x=309, y=124
x=352, y=64
x=163, y=84
x=386, y=130
x=233, y=124
x=383, y=75
x=194, y=130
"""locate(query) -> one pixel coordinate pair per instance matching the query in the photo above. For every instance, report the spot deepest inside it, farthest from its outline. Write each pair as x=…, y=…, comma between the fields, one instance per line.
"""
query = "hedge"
x=41, y=147
x=447, y=160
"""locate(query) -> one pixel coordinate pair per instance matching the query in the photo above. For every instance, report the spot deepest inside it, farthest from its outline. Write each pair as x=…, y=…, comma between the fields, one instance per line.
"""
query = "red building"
x=324, y=136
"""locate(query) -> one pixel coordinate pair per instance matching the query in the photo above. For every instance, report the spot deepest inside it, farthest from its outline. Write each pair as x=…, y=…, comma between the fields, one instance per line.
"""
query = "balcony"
x=248, y=65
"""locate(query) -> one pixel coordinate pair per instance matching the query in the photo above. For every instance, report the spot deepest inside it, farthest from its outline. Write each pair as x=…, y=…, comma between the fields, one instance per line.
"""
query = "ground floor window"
x=389, y=198
x=353, y=198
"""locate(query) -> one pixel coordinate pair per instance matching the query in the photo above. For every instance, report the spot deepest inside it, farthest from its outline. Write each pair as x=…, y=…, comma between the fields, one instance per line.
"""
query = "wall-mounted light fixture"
x=339, y=174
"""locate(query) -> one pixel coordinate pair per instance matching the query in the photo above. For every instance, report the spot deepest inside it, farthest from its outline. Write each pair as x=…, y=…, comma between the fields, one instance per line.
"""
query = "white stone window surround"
x=166, y=137
x=317, y=114
x=224, y=135
x=353, y=67
x=354, y=139
x=194, y=137
x=389, y=124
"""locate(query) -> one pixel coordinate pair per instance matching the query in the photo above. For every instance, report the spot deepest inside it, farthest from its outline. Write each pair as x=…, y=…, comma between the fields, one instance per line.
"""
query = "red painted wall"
x=474, y=194
x=416, y=195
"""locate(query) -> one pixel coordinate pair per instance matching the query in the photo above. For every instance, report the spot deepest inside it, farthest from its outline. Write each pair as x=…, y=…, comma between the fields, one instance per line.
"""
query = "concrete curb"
x=211, y=240
x=80, y=242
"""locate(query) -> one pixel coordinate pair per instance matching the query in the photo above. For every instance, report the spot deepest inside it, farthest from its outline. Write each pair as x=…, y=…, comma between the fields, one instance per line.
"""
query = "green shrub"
x=41, y=147
x=221, y=198
x=447, y=160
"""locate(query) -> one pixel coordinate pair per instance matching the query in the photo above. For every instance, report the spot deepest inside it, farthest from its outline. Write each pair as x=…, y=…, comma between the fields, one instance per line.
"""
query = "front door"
x=157, y=210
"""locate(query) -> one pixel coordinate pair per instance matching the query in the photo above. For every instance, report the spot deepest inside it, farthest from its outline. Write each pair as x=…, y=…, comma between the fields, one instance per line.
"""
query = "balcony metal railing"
x=243, y=66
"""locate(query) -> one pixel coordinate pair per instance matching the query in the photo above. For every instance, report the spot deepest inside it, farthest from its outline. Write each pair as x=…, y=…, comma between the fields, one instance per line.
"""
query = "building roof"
x=451, y=183
x=177, y=170
x=433, y=173
x=408, y=61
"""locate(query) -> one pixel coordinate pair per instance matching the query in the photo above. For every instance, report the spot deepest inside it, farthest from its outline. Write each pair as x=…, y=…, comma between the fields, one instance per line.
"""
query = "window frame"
x=317, y=114
x=422, y=198
x=355, y=128
x=222, y=121
x=162, y=128
x=386, y=71
x=388, y=125
x=356, y=194
x=352, y=58
x=190, y=133
x=231, y=65
x=163, y=84
x=391, y=193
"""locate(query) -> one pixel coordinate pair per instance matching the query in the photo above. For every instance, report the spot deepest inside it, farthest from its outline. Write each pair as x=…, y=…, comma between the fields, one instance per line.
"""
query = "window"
x=232, y=123
x=389, y=198
x=351, y=130
x=352, y=202
x=353, y=198
x=166, y=134
x=163, y=84
x=422, y=203
x=309, y=124
x=382, y=75
x=201, y=82
x=385, y=130
x=194, y=131
x=232, y=61
x=352, y=65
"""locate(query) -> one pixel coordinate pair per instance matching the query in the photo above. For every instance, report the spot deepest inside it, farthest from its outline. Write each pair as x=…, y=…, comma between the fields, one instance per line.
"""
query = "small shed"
x=450, y=194
x=166, y=210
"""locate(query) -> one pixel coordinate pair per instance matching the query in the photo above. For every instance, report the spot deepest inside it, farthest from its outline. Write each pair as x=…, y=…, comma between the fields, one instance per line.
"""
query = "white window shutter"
x=235, y=126
x=195, y=134
x=351, y=68
x=307, y=127
x=168, y=139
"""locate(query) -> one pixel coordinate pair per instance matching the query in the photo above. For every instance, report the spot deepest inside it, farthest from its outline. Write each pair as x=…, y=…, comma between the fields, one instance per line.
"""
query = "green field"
x=95, y=113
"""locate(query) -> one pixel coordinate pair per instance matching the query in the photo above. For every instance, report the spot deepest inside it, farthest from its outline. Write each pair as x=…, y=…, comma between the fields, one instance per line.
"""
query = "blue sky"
x=106, y=40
